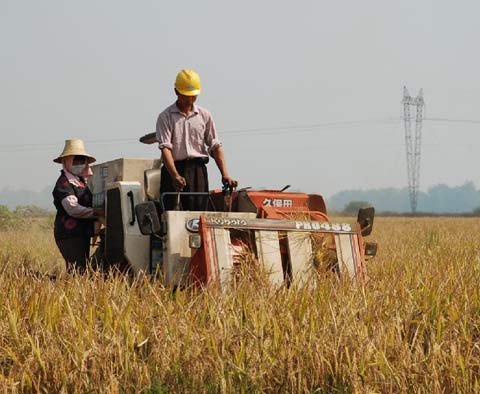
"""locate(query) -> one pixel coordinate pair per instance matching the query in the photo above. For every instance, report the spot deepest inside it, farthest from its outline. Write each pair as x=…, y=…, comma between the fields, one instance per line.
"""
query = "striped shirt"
x=187, y=136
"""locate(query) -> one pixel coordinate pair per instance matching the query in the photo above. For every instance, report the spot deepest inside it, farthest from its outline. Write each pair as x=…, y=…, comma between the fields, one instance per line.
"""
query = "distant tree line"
x=437, y=199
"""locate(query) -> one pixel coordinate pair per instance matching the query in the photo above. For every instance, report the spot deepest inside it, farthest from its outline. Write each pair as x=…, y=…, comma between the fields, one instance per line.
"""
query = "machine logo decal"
x=192, y=225
x=323, y=226
x=277, y=203
x=228, y=221
x=286, y=225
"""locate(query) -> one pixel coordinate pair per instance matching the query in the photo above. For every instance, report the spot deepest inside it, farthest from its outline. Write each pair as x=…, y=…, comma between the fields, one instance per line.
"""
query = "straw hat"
x=74, y=148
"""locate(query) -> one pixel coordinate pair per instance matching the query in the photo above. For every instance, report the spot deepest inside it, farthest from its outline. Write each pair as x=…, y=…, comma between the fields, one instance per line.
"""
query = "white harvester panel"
x=119, y=170
x=124, y=242
x=224, y=256
x=274, y=238
x=301, y=255
x=348, y=254
x=177, y=252
x=268, y=248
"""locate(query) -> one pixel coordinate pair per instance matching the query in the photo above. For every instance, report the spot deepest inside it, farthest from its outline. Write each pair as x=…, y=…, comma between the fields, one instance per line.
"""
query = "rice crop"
x=413, y=328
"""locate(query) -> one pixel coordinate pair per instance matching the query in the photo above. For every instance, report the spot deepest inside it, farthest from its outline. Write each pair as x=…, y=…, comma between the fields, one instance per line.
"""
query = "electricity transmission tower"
x=413, y=142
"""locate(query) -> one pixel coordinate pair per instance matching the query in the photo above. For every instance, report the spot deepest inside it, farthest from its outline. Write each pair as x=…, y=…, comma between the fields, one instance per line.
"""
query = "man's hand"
x=230, y=182
x=217, y=154
x=179, y=183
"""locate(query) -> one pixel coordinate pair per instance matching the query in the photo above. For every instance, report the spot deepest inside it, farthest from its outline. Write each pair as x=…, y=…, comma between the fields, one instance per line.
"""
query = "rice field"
x=413, y=328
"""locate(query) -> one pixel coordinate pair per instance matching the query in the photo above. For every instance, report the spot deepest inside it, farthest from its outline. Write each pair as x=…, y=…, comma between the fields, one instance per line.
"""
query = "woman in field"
x=74, y=222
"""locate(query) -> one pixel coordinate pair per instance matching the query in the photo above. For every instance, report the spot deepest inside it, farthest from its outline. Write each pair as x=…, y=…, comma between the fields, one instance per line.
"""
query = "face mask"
x=77, y=169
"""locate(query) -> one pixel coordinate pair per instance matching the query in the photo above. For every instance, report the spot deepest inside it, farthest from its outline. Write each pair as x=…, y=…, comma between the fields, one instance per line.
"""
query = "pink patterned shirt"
x=70, y=203
x=189, y=136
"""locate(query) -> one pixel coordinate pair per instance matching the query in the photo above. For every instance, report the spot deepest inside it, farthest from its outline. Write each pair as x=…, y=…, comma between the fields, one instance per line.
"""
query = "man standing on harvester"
x=186, y=136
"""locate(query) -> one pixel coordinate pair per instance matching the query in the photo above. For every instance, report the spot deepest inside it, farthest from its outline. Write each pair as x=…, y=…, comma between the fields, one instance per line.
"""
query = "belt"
x=193, y=160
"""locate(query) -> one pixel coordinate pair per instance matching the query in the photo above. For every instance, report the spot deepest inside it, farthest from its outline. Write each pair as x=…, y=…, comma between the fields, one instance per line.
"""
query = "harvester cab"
x=287, y=235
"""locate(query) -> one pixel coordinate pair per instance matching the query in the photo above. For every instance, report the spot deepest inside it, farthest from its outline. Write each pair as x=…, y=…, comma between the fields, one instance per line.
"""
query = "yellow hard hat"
x=188, y=83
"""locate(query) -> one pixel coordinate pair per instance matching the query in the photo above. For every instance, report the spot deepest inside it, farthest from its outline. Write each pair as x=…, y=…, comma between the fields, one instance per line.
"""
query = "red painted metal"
x=200, y=263
x=285, y=201
x=289, y=211
x=363, y=261
x=274, y=204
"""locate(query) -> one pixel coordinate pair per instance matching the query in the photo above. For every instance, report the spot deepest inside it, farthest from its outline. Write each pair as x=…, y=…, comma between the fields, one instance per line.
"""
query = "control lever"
x=177, y=202
x=227, y=197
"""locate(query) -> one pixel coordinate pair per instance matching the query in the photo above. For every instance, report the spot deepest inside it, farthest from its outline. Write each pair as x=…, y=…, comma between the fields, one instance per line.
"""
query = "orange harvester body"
x=280, y=236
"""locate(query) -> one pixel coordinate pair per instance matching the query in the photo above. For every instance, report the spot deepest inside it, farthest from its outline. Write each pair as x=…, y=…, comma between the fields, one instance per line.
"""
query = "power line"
x=306, y=128
x=311, y=127
x=447, y=120
x=27, y=147
x=226, y=133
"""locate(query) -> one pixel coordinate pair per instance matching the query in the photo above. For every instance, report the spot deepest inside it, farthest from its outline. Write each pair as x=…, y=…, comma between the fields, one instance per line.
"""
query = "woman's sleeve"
x=74, y=209
x=64, y=194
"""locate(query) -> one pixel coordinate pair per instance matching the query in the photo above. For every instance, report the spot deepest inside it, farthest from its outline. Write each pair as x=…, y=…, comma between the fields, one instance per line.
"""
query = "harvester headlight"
x=370, y=249
x=195, y=241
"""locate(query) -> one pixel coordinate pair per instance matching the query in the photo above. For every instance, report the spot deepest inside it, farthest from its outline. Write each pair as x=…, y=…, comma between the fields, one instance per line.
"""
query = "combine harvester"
x=288, y=234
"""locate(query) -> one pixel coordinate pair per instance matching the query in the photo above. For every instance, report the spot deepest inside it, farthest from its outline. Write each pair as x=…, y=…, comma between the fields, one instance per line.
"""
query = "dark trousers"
x=75, y=251
x=195, y=173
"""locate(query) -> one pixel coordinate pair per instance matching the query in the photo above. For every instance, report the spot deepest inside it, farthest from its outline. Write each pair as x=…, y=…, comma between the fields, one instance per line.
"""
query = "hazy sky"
x=305, y=93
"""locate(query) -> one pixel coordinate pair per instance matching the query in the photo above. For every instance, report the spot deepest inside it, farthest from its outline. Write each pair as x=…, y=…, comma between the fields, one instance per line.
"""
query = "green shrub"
x=7, y=218
x=353, y=206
